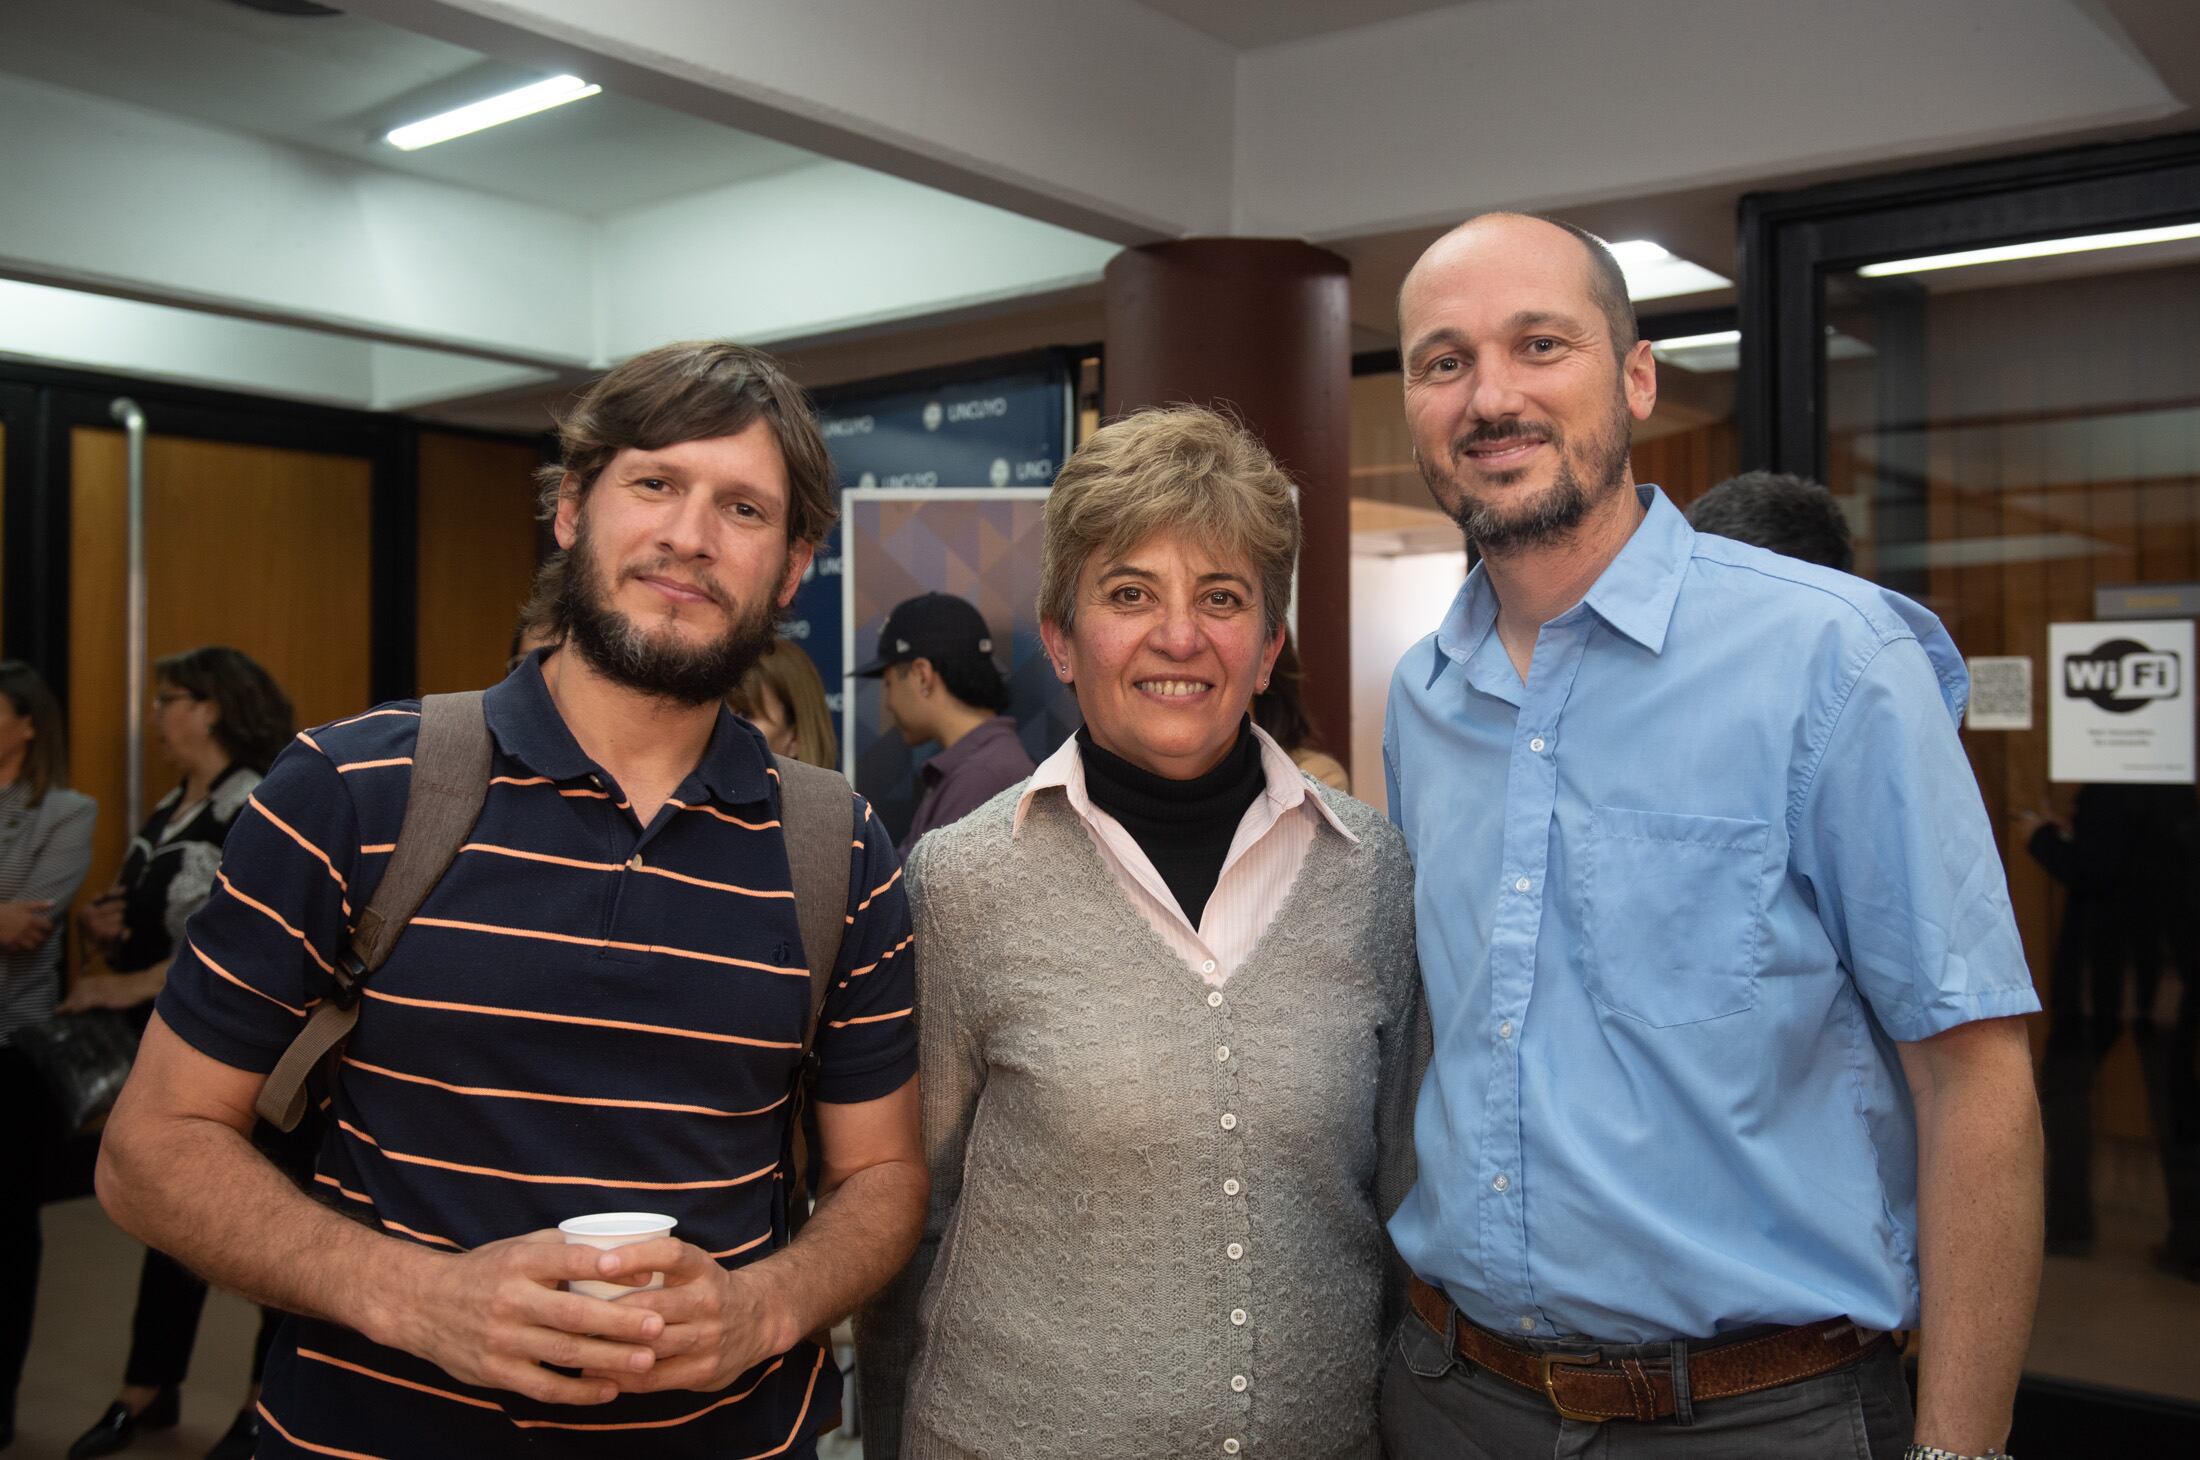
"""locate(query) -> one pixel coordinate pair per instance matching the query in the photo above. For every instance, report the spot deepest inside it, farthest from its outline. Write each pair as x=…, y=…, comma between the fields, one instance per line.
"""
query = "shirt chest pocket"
x=1671, y=910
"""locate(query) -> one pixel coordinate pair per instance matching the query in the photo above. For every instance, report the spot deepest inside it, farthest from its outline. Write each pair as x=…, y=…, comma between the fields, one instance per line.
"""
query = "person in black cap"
x=938, y=681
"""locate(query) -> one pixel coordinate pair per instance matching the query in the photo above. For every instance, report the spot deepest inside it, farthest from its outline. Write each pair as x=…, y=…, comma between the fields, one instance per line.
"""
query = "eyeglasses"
x=162, y=699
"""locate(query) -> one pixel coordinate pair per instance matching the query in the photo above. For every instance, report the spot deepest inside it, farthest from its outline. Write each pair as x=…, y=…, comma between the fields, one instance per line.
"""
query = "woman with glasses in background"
x=219, y=719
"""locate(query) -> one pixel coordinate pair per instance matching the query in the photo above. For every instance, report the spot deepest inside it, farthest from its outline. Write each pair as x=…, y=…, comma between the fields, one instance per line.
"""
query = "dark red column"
x=1262, y=326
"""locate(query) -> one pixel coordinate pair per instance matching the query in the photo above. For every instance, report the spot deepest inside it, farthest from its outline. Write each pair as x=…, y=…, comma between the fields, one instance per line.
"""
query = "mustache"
x=1494, y=433
x=664, y=568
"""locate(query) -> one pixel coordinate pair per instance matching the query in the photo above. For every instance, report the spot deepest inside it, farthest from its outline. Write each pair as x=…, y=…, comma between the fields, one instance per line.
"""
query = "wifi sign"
x=2121, y=675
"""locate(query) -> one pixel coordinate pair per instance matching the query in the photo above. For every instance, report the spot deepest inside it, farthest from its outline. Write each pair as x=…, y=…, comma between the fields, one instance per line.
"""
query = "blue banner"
x=1006, y=428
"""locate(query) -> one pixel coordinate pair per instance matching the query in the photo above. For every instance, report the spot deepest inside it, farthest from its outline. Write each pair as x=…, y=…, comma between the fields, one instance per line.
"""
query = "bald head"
x=1491, y=236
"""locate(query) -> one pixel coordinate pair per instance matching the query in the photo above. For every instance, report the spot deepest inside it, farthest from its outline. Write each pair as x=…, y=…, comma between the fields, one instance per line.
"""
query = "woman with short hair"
x=1170, y=1022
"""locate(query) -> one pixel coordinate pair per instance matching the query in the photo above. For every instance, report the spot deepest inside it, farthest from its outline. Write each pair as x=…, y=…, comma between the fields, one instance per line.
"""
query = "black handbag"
x=83, y=1060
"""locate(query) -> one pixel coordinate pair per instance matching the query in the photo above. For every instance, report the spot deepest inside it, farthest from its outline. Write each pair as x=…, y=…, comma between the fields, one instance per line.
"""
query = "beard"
x=659, y=664
x=1495, y=529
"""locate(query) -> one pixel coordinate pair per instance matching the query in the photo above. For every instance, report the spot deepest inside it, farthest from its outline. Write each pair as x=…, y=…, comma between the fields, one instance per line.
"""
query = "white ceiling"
x=943, y=179
x=336, y=83
x=1251, y=24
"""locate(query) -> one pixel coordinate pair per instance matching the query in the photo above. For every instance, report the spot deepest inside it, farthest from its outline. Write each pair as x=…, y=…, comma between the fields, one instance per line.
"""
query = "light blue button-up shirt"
x=1678, y=894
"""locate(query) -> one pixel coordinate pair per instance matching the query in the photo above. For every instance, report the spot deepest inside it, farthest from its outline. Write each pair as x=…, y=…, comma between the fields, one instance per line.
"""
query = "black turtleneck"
x=1184, y=827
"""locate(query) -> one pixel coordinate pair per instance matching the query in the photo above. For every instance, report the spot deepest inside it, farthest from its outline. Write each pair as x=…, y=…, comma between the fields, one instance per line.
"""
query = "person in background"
x=783, y=697
x=45, y=850
x=938, y=683
x=220, y=719
x=2130, y=856
x=1787, y=514
x=1280, y=711
x=1169, y=1019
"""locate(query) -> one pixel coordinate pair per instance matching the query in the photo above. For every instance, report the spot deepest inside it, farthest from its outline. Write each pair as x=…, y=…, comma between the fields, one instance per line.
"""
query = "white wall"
x=1395, y=601
x=1111, y=118
x=159, y=342
x=1550, y=103
x=1100, y=115
x=820, y=250
x=114, y=199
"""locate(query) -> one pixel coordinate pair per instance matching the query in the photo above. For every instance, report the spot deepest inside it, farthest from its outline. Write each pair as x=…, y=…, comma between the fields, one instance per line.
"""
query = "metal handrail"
x=126, y=411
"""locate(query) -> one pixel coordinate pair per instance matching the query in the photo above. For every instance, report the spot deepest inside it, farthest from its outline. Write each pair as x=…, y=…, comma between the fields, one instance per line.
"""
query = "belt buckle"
x=1550, y=1387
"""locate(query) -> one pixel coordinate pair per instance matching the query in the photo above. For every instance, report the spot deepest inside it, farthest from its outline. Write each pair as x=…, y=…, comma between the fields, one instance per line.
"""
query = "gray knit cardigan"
x=1156, y=1214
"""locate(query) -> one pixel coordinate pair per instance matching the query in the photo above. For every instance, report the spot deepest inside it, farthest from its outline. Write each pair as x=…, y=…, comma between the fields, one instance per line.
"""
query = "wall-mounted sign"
x=982, y=546
x=2001, y=692
x=1007, y=424
x=2147, y=600
x=2120, y=701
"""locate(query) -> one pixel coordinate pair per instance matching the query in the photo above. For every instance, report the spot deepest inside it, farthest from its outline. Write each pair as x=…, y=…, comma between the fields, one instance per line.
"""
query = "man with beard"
x=602, y=1004
x=1730, y=1075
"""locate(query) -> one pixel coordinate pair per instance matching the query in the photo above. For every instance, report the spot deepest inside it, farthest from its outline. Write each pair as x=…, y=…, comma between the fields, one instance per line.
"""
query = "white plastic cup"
x=607, y=1230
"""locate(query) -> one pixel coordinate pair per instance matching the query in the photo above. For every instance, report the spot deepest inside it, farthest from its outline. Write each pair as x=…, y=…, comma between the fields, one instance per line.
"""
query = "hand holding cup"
x=607, y=1231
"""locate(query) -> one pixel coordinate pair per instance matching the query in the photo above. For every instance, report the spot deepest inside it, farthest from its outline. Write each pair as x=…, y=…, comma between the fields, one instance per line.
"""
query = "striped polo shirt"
x=585, y=1015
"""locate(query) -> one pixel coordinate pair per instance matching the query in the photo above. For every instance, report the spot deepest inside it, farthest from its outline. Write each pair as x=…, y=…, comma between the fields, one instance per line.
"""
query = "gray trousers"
x=1437, y=1406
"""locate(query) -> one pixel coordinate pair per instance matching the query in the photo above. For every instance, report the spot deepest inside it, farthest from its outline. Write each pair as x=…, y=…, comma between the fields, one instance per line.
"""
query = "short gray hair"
x=1178, y=469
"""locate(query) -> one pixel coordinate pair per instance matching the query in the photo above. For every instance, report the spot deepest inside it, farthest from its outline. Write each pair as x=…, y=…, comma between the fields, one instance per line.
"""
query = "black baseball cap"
x=935, y=626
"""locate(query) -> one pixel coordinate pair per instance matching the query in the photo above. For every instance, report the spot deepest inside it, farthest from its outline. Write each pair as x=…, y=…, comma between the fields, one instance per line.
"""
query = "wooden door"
x=477, y=556
x=264, y=549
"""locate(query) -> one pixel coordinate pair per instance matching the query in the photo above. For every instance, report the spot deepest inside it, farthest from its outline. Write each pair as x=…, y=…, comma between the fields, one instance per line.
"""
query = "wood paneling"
x=477, y=556
x=263, y=549
x=1686, y=464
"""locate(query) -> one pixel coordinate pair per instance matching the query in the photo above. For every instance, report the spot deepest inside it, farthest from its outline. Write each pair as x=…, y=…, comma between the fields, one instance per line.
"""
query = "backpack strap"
x=450, y=780
x=817, y=821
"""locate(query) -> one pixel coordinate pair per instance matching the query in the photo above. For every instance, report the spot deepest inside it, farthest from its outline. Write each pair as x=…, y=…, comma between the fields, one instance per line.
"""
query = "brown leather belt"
x=1581, y=1385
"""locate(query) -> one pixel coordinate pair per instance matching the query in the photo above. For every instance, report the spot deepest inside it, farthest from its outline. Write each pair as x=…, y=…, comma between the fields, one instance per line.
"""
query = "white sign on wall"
x=2120, y=701
x=2001, y=692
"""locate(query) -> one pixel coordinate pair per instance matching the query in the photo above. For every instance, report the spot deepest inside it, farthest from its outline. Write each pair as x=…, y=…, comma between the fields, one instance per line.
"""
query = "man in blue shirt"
x=1730, y=1074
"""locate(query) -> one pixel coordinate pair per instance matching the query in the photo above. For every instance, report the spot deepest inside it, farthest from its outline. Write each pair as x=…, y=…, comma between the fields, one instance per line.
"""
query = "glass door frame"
x=1789, y=242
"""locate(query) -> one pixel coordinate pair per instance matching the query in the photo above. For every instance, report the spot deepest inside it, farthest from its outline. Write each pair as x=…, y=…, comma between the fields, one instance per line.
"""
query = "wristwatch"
x=1932, y=1452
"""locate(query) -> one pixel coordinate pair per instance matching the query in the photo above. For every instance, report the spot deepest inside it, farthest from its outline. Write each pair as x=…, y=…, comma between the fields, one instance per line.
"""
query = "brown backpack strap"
x=817, y=821
x=450, y=780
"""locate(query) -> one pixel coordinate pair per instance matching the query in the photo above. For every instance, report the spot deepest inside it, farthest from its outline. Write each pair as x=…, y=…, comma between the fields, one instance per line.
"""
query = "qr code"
x=2001, y=693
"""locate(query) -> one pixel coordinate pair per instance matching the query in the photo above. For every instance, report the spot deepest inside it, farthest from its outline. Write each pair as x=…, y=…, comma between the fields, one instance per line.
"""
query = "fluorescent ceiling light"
x=1721, y=350
x=1705, y=354
x=492, y=112
x=1696, y=342
x=2037, y=249
x=1654, y=273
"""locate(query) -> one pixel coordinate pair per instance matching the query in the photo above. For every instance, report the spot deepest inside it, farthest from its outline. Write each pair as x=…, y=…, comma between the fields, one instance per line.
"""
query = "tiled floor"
x=2107, y=1319
x=2112, y=1318
x=85, y=1292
